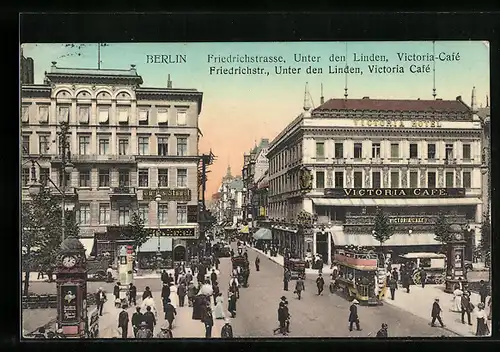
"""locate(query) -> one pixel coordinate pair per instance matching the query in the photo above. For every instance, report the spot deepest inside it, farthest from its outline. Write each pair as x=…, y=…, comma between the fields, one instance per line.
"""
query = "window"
x=85, y=214
x=182, y=177
x=103, y=178
x=43, y=144
x=181, y=146
x=358, y=150
x=182, y=214
x=84, y=145
x=339, y=179
x=143, y=145
x=84, y=114
x=395, y=150
x=143, y=116
x=25, y=176
x=104, y=214
x=25, y=114
x=124, y=178
x=143, y=177
x=162, y=117
x=375, y=150
x=103, y=115
x=358, y=179
x=431, y=151
x=449, y=151
x=144, y=213
x=26, y=144
x=44, y=176
x=162, y=177
x=394, y=179
x=163, y=213
x=123, y=114
x=376, y=179
x=67, y=181
x=413, y=150
x=466, y=152
x=449, y=179
x=413, y=179
x=43, y=114
x=431, y=179
x=103, y=145
x=181, y=118
x=123, y=215
x=63, y=113
x=84, y=178
x=163, y=146
x=320, y=179
x=467, y=179
x=320, y=150
x=123, y=146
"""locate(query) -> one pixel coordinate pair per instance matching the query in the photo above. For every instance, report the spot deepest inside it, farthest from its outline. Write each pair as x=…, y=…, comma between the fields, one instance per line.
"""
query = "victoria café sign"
x=394, y=192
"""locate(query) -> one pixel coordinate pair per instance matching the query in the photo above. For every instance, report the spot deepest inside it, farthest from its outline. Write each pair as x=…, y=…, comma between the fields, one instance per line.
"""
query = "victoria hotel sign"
x=394, y=192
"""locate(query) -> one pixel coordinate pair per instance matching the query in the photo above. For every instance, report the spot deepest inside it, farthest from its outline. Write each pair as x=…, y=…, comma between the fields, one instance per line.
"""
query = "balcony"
x=69, y=192
x=123, y=191
x=100, y=159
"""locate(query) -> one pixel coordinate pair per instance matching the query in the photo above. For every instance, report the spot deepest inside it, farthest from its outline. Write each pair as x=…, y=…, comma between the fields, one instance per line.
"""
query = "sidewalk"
x=280, y=260
x=419, y=302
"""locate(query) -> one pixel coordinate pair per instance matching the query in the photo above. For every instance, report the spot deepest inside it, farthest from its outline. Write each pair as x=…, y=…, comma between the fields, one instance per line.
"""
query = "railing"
x=68, y=191
x=95, y=157
x=123, y=190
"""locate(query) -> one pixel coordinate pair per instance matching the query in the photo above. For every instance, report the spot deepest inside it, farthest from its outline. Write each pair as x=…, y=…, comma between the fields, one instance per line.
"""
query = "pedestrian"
x=213, y=277
x=392, y=287
x=181, y=293
x=147, y=293
x=216, y=291
x=436, y=313
x=188, y=277
x=150, y=303
x=457, y=300
x=482, y=326
x=405, y=280
x=231, y=303
x=165, y=293
x=286, y=278
x=383, y=331
x=299, y=287
x=165, y=333
x=144, y=331
x=353, y=315
x=40, y=275
x=257, y=263
x=423, y=277
x=483, y=291
x=395, y=275
x=137, y=319
x=191, y=293
x=219, y=307
x=176, y=274
x=170, y=279
x=227, y=331
x=282, y=316
x=467, y=307
x=123, y=321
x=149, y=319
x=217, y=263
x=132, y=294
x=164, y=276
x=320, y=284
x=101, y=298
x=170, y=313
x=208, y=320
x=116, y=291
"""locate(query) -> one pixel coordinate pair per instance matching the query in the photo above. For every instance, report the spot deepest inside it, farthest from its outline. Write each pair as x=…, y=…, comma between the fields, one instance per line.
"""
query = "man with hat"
x=227, y=330
x=383, y=331
x=466, y=306
x=137, y=319
x=170, y=313
x=353, y=315
x=282, y=317
x=436, y=313
x=101, y=298
x=123, y=320
x=165, y=333
x=144, y=332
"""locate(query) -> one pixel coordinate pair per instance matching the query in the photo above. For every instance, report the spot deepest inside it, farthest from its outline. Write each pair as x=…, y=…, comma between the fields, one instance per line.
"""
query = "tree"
x=442, y=230
x=41, y=232
x=485, y=244
x=382, y=229
x=139, y=233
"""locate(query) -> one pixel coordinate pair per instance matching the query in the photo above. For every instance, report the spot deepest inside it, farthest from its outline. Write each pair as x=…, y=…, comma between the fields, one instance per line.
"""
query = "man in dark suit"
x=123, y=321
x=170, y=313
x=392, y=287
x=436, y=313
x=132, y=294
x=467, y=307
x=423, y=277
x=353, y=315
x=116, y=291
x=137, y=319
x=149, y=318
x=213, y=277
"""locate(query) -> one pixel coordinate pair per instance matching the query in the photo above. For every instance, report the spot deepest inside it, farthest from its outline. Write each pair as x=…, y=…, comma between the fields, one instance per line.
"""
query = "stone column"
x=314, y=242
x=440, y=177
x=367, y=177
x=458, y=177
x=422, y=177
x=329, y=177
x=385, y=177
x=329, y=247
x=404, y=177
x=348, y=173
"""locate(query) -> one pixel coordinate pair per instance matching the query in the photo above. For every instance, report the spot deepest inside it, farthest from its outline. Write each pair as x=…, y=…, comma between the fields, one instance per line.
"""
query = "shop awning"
x=408, y=202
x=151, y=245
x=415, y=239
x=88, y=244
x=263, y=234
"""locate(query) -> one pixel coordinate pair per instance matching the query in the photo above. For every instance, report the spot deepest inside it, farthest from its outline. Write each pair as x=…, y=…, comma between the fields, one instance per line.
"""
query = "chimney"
x=487, y=101
x=322, y=98
x=473, y=104
x=169, y=82
x=366, y=97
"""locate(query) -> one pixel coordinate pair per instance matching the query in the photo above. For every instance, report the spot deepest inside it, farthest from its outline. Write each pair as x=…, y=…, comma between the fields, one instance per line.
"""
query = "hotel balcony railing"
x=86, y=158
x=123, y=191
x=68, y=191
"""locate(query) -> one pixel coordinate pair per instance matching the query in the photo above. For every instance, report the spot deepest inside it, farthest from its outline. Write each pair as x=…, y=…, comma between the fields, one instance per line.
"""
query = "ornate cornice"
x=367, y=133
x=170, y=94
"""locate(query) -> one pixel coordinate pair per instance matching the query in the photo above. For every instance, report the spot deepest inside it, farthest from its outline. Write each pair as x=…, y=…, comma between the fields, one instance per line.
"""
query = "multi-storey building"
x=228, y=201
x=342, y=160
x=128, y=144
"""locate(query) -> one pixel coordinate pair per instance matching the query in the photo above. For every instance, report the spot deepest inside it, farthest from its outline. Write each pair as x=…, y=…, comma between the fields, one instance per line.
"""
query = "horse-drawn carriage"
x=244, y=271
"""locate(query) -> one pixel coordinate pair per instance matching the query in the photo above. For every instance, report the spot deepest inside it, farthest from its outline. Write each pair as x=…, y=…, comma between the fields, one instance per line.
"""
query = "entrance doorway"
x=322, y=246
x=180, y=253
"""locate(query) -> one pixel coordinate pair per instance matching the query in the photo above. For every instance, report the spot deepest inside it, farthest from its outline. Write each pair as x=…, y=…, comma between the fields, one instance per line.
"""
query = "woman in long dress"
x=482, y=326
x=457, y=300
x=219, y=307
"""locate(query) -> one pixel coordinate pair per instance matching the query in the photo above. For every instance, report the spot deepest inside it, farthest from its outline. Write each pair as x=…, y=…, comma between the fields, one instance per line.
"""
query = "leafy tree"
x=41, y=233
x=485, y=244
x=383, y=230
x=139, y=233
x=442, y=230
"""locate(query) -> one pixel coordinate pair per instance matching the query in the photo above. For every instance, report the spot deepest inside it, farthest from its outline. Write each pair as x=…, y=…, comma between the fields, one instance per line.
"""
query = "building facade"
x=228, y=201
x=346, y=158
x=128, y=144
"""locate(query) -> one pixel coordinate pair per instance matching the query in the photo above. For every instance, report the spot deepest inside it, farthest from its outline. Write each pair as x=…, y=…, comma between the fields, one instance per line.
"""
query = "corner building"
x=128, y=143
x=342, y=160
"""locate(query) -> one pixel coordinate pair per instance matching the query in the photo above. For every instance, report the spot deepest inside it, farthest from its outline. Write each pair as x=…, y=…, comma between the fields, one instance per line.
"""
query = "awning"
x=151, y=245
x=263, y=234
x=408, y=202
x=88, y=244
x=415, y=239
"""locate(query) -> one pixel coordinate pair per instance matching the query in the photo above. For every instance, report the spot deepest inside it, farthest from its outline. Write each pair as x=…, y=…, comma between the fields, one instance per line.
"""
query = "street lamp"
x=158, y=249
x=34, y=187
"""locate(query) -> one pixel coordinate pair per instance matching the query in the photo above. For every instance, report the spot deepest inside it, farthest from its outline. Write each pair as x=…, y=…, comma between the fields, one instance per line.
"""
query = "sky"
x=240, y=109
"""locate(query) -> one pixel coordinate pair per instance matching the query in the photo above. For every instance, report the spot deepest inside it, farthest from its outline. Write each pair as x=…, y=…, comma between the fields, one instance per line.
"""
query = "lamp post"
x=66, y=168
x=158, y=232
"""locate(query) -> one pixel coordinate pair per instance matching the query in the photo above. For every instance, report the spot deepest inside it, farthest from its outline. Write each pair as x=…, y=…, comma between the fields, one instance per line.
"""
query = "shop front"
x=288, y=239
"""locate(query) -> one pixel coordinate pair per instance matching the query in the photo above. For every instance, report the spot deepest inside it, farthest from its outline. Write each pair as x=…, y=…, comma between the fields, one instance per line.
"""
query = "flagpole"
x=98, y=56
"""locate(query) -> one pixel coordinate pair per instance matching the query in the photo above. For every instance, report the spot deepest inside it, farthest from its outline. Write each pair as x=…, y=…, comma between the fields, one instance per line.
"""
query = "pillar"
x=479, y=213
x=314, y=243
x=329, y=247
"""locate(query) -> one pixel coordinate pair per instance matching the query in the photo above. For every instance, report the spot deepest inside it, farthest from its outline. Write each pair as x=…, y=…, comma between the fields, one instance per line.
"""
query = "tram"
x=357, y=275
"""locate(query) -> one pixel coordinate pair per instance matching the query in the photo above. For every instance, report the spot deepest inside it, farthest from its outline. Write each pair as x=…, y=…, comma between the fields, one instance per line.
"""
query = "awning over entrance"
x=263, y=234
x=88, y=244
x=395, y=202
x=151, y=245
x=365, y=240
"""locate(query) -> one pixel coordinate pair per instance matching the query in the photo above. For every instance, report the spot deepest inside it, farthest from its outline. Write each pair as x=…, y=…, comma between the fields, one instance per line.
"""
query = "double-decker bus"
x=357, y=275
